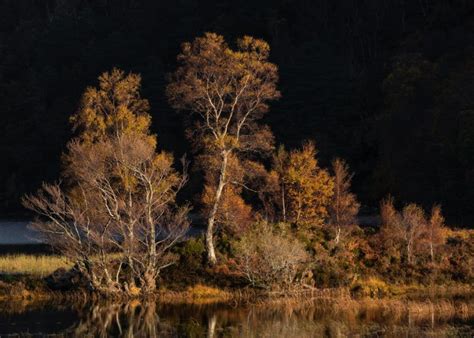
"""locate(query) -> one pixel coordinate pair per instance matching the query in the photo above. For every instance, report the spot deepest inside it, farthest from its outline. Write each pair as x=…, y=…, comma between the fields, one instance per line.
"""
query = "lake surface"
x=20, y=233
x=314, y=318
x=318, y=318
x=17, y=232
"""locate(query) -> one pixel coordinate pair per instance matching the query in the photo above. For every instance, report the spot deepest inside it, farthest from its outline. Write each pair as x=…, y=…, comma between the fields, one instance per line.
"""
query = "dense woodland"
x=386, y=85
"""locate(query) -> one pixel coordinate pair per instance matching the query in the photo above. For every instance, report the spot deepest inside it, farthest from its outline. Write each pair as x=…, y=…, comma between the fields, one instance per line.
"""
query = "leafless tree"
x=119, y=220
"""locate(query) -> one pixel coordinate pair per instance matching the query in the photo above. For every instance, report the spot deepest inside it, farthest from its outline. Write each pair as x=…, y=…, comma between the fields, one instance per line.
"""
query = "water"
x=150, y=319
x=17, y=232
x=316, y=318
x=20, y=233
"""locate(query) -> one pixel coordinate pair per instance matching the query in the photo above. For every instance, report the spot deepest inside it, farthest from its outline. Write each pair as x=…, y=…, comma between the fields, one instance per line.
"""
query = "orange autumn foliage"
x=309, y=188
x=226, y=92
x=115, y=108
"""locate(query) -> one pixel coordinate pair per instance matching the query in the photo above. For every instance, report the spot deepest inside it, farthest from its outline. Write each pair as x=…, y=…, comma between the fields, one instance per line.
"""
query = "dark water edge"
x=26, y=249
x=292, y=318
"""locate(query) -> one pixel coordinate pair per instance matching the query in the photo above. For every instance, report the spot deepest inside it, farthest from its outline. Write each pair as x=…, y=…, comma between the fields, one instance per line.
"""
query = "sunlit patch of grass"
x=200, y=291
x=197, y=294
x=34, y=265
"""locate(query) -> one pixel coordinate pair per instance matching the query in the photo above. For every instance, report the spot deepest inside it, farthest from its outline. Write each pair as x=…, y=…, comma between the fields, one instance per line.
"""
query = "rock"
x=63, y=280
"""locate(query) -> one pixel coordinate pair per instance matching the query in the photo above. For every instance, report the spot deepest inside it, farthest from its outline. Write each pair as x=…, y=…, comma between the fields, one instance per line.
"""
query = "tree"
x=344, y=207
x=436, y=231
x=234, y=215
x=280, y=163
x=414, y=226
x=404, y=230
x=120, y=193
x=309, y=188
x=227, y=91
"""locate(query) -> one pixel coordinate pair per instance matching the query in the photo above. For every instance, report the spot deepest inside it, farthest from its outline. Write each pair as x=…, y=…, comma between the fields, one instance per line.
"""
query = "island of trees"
x=273, y=218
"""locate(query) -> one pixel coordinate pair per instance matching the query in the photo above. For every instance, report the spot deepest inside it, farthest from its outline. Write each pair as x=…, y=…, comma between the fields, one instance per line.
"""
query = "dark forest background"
x=386, y=84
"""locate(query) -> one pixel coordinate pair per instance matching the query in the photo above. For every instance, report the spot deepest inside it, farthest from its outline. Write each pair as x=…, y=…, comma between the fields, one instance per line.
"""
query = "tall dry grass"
x=198, y=294
x=34, y=265
x=372, y=309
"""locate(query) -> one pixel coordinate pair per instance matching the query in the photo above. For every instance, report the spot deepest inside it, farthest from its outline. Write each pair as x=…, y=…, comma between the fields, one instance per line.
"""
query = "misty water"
x=151, y=319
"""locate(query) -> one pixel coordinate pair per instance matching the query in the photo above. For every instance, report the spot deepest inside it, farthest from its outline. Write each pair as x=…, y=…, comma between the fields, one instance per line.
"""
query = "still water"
x=313, y=319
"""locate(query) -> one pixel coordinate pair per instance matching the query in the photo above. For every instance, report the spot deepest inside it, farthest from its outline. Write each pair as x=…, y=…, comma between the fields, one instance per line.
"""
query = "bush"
x=458, y=261
x=190, y=267
x=372, y=287
x=338, y=263
x=270, y=259
x=192, y=253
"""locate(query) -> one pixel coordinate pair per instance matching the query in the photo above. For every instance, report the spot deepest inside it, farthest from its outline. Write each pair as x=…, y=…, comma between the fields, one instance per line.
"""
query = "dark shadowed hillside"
x=387, y=85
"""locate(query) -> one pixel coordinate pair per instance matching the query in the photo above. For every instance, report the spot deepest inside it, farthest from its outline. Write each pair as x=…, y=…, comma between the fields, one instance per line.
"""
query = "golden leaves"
x=228, y=89
x=115, y=107
x=309, y=187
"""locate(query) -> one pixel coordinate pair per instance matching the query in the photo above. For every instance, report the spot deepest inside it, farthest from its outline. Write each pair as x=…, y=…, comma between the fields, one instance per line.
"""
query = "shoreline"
x=24, y=287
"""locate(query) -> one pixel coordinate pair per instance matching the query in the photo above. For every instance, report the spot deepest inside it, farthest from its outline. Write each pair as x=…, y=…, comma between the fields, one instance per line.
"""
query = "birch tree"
x=344, y=206
x=436, y=232
x=406, y=230
x=116, y=215
x=226, y=92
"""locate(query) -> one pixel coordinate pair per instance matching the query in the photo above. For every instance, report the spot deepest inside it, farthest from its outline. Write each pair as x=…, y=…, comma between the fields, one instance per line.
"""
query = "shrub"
x=371, y=287
x=339, y=263
x=270, y=259
x=192, y=253
x=458, y=262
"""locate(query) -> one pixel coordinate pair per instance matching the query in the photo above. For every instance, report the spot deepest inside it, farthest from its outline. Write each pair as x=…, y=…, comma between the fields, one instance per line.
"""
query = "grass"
x=197, y=294
x=371, y=287
x=376, y=309
x=33, y=265
x=200, y=291
x=374, y=287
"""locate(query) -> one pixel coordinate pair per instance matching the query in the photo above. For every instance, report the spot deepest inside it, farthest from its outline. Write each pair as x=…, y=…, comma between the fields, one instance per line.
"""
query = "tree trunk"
x=211, y=326
x=338, y=234
x=283, y=202
x=211, y=254
x=149, y=282
x=409, y=252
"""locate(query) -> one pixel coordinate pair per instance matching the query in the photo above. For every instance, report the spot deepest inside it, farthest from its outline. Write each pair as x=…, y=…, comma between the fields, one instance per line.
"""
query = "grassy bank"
x=22, y=276
x=32, y=265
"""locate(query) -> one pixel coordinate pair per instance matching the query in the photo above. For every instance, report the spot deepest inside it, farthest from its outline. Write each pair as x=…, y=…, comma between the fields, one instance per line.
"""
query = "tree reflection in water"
x=287, y=319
